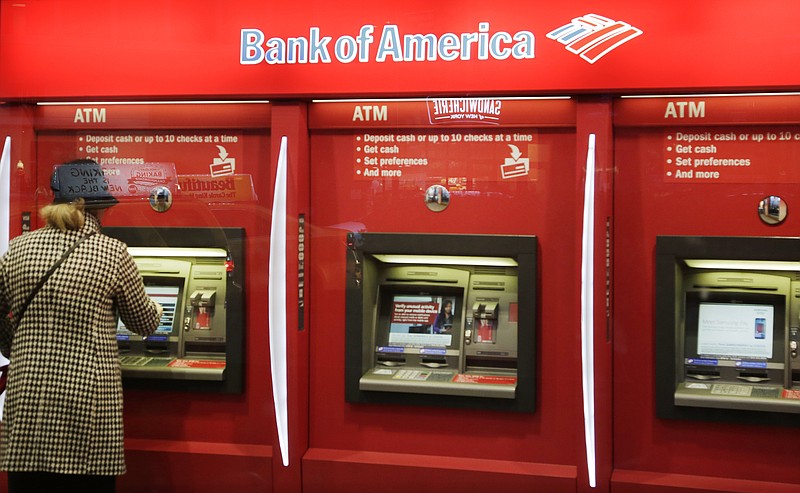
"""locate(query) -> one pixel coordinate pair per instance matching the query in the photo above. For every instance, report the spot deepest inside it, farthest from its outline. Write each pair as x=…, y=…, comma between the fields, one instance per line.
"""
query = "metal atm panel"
x=727, y=319
x=734, y=340
x=410, y=345
x=190, y=343
x=440, y=325
x=197, y=276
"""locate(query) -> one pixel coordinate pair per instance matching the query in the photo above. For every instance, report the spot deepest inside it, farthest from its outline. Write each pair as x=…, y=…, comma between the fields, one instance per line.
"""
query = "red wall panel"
x=195, y=52
x=543, y=204
x=154, y=465
x=334, y=471
x=177, y=440
x=649, y=201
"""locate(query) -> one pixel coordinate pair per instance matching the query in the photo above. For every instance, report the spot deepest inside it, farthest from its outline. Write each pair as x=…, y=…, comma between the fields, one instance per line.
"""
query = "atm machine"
x=728, y=316
x=440, y=319
x=196, y=275
x=190, y=342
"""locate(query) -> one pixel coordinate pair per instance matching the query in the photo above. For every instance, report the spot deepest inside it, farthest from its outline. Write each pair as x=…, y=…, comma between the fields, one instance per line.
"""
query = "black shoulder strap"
x=47, y=275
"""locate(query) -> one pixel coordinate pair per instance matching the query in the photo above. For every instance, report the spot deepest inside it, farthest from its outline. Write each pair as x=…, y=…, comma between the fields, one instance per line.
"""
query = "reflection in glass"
x=772, y=210
x=437, y=198
x=160, y=199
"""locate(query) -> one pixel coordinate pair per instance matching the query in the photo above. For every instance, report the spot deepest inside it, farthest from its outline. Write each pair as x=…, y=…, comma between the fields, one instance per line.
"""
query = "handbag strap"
x=47, y=275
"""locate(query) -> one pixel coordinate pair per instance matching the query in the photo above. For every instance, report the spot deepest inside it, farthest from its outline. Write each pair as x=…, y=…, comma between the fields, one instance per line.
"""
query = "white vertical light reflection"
x=587, y=313
x=5, y=213
x=277, y=305
x=5, y=194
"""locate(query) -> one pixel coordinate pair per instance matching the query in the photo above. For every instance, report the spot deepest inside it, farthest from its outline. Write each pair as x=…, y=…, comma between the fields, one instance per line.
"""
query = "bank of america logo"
x=592, y=36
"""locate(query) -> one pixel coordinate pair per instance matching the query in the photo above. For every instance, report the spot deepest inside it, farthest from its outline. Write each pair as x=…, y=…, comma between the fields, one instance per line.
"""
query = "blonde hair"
x=69, y=216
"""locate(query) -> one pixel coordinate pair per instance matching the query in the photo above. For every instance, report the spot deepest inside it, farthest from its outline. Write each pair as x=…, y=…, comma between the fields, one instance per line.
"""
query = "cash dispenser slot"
x=483, y=329
x=484, y=315
x=434, y=362
x=202, y=320
x=156, y=345
x=391, y=359
x=697, y=374
x=202, y=303
x=754, y=377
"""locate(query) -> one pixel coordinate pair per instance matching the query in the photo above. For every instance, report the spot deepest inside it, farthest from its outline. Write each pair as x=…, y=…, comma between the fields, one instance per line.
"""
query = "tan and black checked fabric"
x=63, y=410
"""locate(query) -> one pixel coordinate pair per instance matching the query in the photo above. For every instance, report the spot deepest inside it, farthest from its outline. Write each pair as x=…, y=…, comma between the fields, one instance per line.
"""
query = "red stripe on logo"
x=593, y=19
x=597, y=36
x=600, y=49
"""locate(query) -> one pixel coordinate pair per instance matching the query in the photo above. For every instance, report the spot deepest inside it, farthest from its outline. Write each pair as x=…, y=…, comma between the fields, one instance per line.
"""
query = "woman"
x=444, y=320
x=62, y=425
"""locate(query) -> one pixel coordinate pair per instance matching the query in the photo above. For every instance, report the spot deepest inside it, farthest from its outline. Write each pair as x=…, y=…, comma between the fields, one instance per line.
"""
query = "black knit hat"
x=81, y=178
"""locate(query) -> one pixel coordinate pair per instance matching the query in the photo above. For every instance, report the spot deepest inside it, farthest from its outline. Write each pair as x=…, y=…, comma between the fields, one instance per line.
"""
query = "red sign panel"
x=470, y=112
x=732, y=154
x=204, y=152
x=753, y=139
x=138, y=180
x=453, y=140
x=709, y=110
x=232, y=188
x=407, y=312
x=485, y=379
x=197, y=363
x=152, y=116
x=252, y=47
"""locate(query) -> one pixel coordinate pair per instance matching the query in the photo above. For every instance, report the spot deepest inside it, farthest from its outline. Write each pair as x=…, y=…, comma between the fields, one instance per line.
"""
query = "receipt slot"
x=198, y=344
x=441, y=320
x=727, y=318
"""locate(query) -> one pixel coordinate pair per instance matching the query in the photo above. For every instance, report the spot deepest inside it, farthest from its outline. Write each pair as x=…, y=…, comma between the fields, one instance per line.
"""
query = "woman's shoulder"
x=43, y=235
x=111, y=244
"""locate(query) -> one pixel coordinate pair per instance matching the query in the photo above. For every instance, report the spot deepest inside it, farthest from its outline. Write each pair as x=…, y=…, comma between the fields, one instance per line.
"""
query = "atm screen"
x=420, y=319
x=735, y=326
x=167, y=296
x=735, y=330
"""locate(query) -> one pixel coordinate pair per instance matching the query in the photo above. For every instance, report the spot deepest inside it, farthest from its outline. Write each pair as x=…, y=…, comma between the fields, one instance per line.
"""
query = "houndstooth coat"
x=63, y=410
